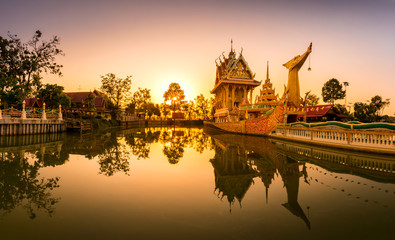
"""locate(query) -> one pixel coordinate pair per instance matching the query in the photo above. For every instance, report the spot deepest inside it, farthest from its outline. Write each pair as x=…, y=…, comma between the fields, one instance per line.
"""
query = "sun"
x=184, y=83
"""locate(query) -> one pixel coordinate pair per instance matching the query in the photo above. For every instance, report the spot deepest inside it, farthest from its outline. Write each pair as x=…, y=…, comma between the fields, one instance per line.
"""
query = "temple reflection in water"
x=235, y=166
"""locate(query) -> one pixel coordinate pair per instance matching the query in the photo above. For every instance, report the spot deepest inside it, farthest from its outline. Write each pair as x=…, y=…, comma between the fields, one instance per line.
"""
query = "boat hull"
x=259, y=126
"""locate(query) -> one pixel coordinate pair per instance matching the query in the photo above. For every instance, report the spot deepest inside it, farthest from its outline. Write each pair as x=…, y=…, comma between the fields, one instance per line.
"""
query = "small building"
x=321, y=113
x=34, y=103
x=177, y=115
x=81, y=101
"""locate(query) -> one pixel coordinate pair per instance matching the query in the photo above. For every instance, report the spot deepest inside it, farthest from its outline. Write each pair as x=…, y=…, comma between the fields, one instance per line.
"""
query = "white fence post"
x=44, y=115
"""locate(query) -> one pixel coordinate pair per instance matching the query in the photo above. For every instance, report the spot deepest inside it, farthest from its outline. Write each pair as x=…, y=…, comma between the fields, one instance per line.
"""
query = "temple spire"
x=232, y=53
x=231, y=45
x=267, y=71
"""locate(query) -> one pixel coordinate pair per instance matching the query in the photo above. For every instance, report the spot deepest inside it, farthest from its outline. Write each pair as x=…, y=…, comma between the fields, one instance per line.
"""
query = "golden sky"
x=159, y=42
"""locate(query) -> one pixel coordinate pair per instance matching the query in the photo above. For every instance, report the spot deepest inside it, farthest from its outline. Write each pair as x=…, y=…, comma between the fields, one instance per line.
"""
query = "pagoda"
x=234, y=83
x=267, y=97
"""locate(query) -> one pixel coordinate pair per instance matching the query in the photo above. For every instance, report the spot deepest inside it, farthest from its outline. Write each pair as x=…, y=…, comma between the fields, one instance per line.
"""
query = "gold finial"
x=231, y=45
x=267, y=71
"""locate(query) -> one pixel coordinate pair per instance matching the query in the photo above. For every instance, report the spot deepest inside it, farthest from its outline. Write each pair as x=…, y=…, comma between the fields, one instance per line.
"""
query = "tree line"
x=23, y=64
x=371, y=111
x=140, y=103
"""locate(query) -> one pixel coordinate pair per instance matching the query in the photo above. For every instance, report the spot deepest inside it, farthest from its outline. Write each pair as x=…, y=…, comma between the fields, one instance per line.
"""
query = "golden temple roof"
x=233, y=70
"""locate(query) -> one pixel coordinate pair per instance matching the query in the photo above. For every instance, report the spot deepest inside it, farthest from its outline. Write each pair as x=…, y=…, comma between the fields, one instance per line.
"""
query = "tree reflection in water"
x=21, y=185
x=173, y=145
x=115, y=157
x=176, y=140
x=140, y=141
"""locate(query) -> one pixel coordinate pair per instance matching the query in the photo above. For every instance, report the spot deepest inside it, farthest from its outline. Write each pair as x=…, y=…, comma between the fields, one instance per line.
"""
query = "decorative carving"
x=294, y=66
x=240, y=71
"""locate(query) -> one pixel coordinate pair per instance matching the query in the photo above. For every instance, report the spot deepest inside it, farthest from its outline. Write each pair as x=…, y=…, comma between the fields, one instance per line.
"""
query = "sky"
x=160, y=42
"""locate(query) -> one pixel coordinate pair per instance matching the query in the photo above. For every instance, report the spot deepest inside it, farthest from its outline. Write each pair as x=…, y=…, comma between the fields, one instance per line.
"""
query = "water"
x=178, y=183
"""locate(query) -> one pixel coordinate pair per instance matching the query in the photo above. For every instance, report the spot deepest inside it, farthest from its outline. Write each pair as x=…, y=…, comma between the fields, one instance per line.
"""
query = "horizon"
x=178, y=41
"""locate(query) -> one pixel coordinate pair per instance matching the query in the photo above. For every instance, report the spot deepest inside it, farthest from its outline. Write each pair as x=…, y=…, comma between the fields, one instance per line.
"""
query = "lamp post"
x=60, y=117
x=44, y=115
x=23, y=115
x=346, y=84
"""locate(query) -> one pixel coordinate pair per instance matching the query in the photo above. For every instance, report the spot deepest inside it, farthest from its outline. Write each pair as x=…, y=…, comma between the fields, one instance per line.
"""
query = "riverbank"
x=161, y=123
x=103, y=124
x=18, y=126
x=370, y=140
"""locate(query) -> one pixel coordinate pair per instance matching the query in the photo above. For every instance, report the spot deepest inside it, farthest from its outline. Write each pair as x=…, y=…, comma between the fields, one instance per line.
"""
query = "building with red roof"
x=322, y=113
x=80, y=100
x=34, y=103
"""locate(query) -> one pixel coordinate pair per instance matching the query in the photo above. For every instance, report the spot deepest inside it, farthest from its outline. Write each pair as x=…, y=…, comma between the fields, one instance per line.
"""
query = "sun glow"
x=184, y=84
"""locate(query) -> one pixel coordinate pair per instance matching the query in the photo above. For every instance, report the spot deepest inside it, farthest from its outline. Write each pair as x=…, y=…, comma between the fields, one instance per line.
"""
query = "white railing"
x=29, y=114
x=127, y=118
x=385, y=139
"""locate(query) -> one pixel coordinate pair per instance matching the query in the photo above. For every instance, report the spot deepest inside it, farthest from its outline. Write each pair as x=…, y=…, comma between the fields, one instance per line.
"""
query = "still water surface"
x=190, y=183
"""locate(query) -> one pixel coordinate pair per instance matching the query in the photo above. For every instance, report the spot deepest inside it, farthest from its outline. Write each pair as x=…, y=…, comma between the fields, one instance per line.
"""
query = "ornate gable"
x=240, y=69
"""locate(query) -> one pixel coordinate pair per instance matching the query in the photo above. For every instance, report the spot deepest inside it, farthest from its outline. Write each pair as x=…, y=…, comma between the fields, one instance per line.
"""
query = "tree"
x=141, y=98
x=165, y=109
x=152, y=109
x=312, y=100
x=54, y=95
x=89, y=102
x=363, y=112
x=370, y=112
x=131, y=108
x=189, y=109
x=21, y=64
x=117, y=90
x=343, y=110
x=10, y=91
x=332, y=90
x=379, y=105
x=202, y=105
x=174, y=94
x=62, y=99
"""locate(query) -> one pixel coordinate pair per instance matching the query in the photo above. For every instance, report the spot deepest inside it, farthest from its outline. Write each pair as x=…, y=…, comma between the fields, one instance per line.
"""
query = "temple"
x=234, y=83
x=234, y=108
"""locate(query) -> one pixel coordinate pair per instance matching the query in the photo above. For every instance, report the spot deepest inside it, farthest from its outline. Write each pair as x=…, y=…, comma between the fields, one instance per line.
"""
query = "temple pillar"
x=251, y=89
x=233, y=95
x=226, y=96
x=245, y=92
x=223, y=96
